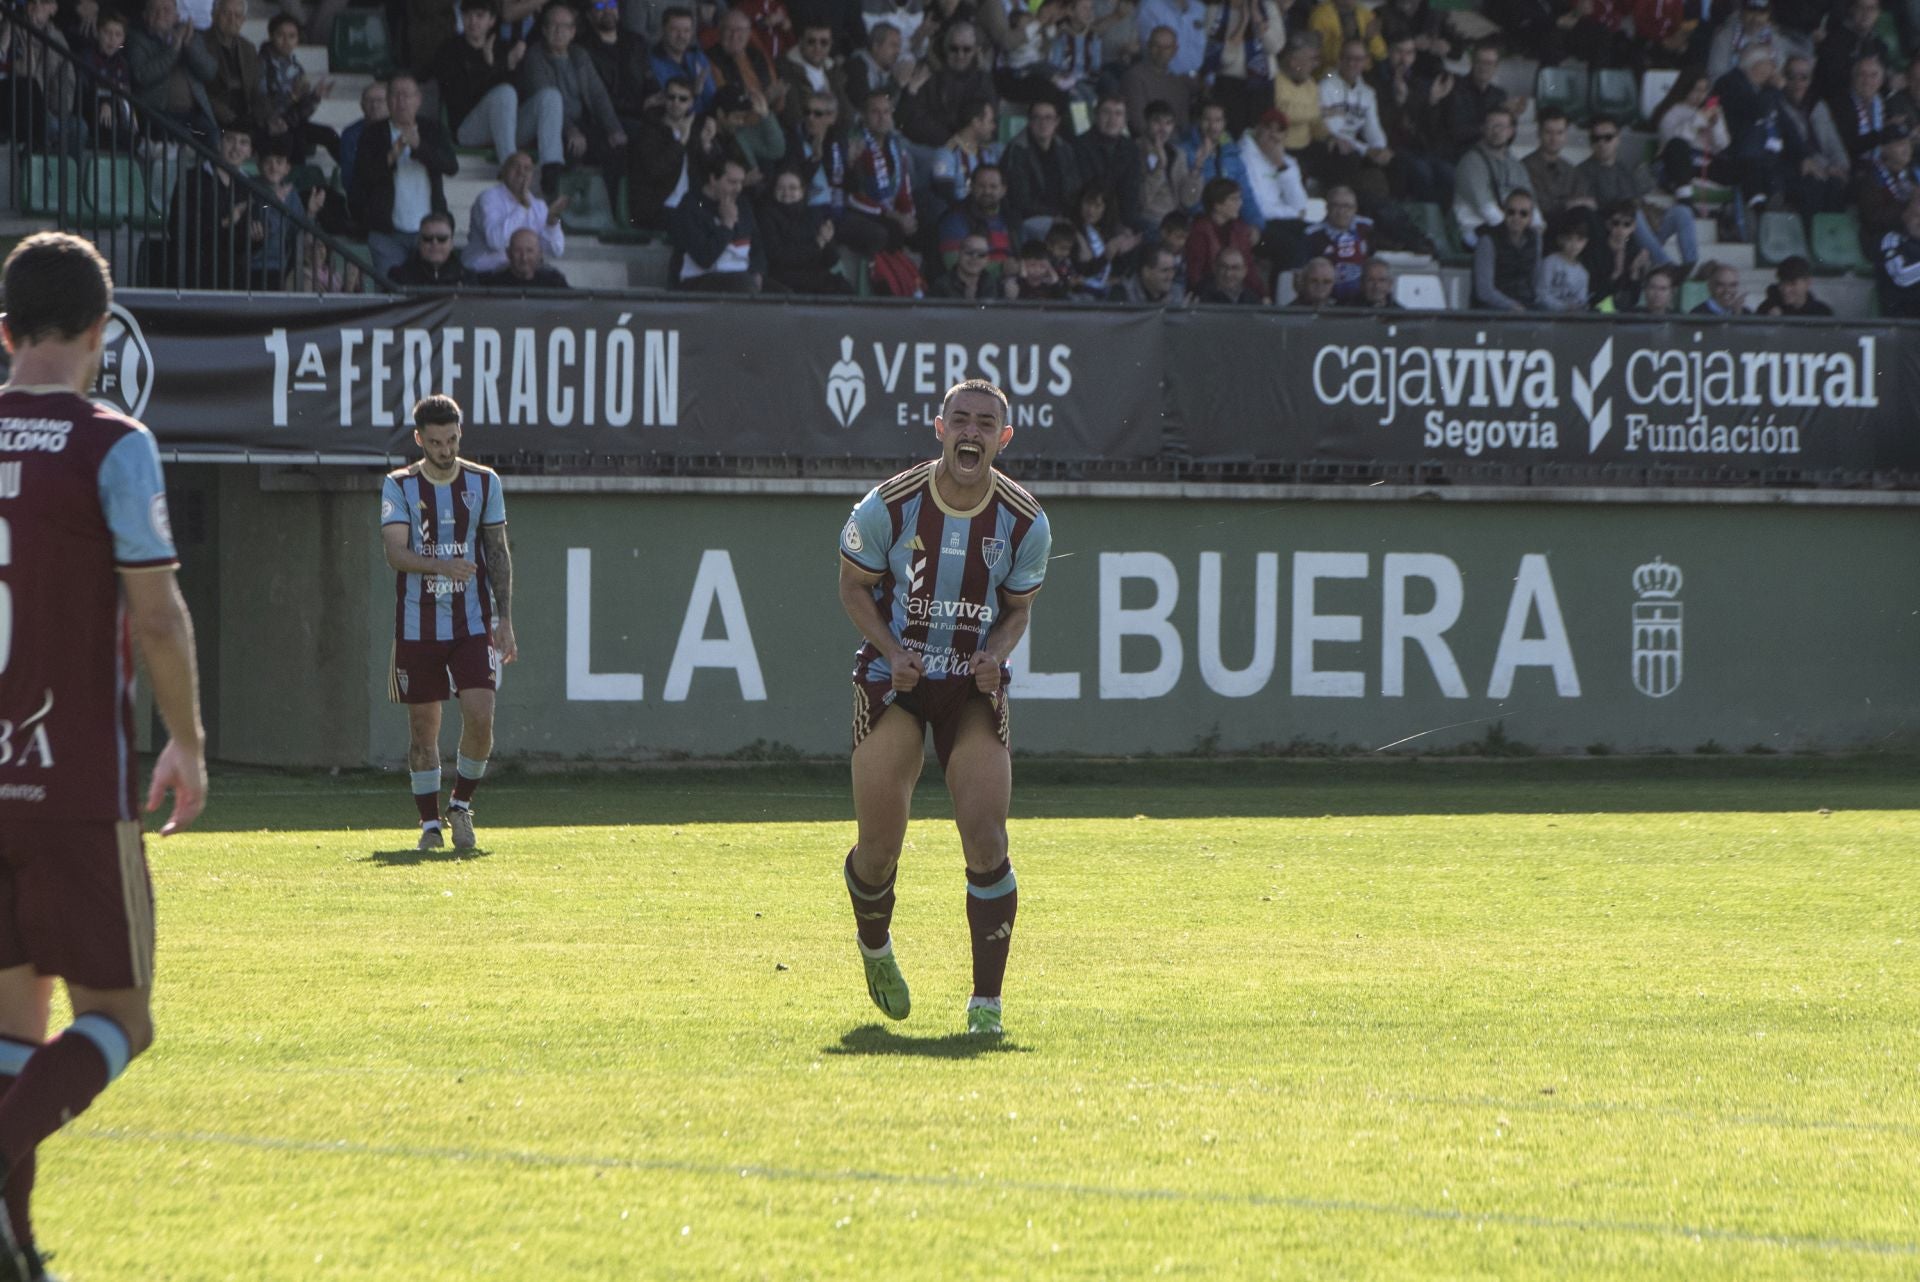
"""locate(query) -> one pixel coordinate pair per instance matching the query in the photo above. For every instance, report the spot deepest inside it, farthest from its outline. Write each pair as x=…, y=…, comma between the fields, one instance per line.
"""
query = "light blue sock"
x=468, y=768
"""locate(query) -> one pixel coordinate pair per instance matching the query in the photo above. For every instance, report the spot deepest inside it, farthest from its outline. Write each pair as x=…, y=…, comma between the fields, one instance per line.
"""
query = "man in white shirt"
x=398, y=173
x=1357, y=154
x=508, y=206
x=1275, y=192
x=1187, y=19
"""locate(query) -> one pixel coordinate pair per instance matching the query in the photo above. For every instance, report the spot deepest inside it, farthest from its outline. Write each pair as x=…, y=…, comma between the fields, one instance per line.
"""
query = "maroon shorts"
x=937, y=703
x=433, y=671
x=76, y=902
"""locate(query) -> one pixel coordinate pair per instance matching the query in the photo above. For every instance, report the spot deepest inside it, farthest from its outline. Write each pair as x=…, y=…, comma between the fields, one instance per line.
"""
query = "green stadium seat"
x=359, y=43
x=1617, y=94
x=620, y=229
x=1836, y=244
x=1780, y=237
x=1565, y=87
x=1011, y=123
x=114, y=192
x=1692, y=294
x=1437, y=226
x=589, y=211
x=52, y=187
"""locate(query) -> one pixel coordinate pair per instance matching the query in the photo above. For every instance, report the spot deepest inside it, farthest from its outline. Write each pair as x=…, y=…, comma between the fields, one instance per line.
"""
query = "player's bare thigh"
x=25, y=995
x=131, y=1008
x=980, y=781
x=886, y=766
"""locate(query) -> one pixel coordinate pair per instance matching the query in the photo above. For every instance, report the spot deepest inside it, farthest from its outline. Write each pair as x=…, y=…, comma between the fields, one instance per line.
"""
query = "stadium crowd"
x=1153, y=151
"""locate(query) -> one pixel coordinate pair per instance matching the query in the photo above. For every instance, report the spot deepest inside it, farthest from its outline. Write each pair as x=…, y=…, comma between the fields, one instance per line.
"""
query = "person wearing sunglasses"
x=657, y=162
x=810, y=68
x=934, y=98
x=432, y=264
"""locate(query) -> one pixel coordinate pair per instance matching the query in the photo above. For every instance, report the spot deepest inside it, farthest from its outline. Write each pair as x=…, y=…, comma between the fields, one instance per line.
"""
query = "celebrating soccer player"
x=86, y=572
x=444, y=522
x=938, y=570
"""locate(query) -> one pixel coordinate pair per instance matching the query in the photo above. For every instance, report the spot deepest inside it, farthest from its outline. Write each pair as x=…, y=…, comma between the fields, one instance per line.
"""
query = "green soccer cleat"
x=432, y=838
x=885, y=984
x=983, y=1017
x=460, y=819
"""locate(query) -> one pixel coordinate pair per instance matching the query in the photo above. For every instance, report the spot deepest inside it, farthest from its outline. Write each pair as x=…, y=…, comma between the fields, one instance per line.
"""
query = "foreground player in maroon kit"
x=86, y=574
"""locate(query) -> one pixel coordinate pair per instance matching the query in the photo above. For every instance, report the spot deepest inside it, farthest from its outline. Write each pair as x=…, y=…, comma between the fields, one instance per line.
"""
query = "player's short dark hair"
x=436, y=411
x=977, y=385
x=54, y=286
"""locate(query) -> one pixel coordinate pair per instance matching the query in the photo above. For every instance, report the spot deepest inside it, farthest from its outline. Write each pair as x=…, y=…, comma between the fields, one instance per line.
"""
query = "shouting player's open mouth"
x=967, y=456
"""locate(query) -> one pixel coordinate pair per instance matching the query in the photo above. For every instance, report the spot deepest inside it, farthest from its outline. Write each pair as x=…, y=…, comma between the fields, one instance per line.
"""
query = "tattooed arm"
x=500, y=574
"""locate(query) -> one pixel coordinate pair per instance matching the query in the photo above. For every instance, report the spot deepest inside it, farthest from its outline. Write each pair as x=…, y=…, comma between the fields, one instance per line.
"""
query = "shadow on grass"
x=409, y=857
x=877, y=1039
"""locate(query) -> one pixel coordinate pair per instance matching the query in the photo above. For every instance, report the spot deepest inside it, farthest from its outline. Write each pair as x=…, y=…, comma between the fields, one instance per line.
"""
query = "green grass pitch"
x=1585, y=1019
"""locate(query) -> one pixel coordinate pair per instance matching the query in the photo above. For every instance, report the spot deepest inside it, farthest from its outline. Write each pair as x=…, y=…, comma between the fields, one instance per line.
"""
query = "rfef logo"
x=126, y=365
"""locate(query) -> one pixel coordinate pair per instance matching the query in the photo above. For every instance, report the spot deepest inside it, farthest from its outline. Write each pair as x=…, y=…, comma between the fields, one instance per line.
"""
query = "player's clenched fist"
x=986, y=672
x=907, y=669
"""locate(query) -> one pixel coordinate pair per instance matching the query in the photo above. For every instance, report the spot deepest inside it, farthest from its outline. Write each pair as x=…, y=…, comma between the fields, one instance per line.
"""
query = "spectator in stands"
x=810, y=68
x=1845, y=43
x=1220, y=228
x=1486, y=176
x=737, y=61
x=398, y=174
x=1108, y=155
x=1275, y=191
x=1752, y=28
x=657, y=174
x=878, y=66
x=1376, y=287
x=1312, y=286
x=1888, y=180
x=1243, y=39
x=107, y=84
x=1616, y=263
x=1339, y=22
x=168, y=68
x=1155, y=283
x=1167, y=181
x=714, y=235
x=525, y=267
x=1228, y=285
x=433, y=264
x=969, y=276
x=1100, y=240
x=941, y=96
x=1791, y=293
x=1555, y=184
x=291, y=99
x=1469, y=101
x=508, y=206
x=1042, y=173
x=1899, y=259
x=880, y=212
x=973, y=144
x=1357, y=153
x=1415, y=126
x=210, y=232
x=1175, y=230
x=1152, y=80
x=1296, y=95
x=676, y=55
x=979, y=215
x=1670, y=32
x=1187, y=20
x=1345, y=239
x=475, y=74
x=773, y=29
x=272, y=256
x=1819, y=184
x=234, y=89
x=1506, y=258
x=1723, y=291
x=1860, y=114
x=1597, y=33
x=620, y=58
x=1608, y=182
x=817, y=150
x=1560, y=282
x=842, y=17
x=798, y=240
x=1060, y=244
x=373, y=112
x=1214, y=152
x=590, y=128
x=1755, y=161
x=1692, y=128
x=1905, y=103
x=749, y=121
x=1661, y=294
x=1435, y=39
x=1036, y=280
x=1536, y=29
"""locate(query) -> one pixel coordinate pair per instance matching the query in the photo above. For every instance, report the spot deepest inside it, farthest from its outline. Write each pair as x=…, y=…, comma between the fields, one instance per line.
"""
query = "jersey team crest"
x=991, y=550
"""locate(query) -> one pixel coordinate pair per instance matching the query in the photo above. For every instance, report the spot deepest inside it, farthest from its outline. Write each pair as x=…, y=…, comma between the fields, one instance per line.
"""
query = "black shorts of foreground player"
x=86, y=577
x=444, y=523
x=938, y=570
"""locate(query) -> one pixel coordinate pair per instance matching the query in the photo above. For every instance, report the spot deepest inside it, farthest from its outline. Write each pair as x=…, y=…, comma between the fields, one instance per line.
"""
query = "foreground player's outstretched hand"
x=503, y=643
x=184, y=774
x=907, y=668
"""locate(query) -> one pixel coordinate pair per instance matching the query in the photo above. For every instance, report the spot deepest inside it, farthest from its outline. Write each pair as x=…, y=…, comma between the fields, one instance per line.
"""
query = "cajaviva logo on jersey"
x=126, y=365
x=1696, y=398
x=899, y=384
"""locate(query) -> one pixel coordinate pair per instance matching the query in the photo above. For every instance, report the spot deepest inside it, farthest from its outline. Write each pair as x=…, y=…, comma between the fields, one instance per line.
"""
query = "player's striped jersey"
x=946, y=572
x=443, y=521
x=81, y=501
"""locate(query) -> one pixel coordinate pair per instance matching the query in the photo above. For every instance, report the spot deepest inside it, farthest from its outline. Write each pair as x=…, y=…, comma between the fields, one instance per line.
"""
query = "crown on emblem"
x=1657, y=578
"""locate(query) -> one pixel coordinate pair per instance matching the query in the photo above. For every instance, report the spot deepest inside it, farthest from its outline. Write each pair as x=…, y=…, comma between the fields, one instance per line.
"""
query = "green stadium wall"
x=657, y=624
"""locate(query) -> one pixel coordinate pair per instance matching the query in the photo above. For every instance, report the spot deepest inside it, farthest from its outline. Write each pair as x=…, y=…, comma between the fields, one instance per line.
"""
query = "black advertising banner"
x=1750, y=396
x=609, y=376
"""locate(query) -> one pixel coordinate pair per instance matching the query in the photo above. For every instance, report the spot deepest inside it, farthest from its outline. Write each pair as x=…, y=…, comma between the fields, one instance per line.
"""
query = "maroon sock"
x=992, y=902
x=58, y=1083
x=428, y=804
x=463, y=789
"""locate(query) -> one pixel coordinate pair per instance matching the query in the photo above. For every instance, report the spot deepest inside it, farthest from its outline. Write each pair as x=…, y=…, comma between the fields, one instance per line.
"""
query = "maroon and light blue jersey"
x=81, y=500
x=443, y=521
x=947, y=573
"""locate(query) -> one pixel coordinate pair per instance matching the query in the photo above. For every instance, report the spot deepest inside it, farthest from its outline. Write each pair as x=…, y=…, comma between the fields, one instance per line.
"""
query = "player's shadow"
x=410, y=857
x=877, y=1039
